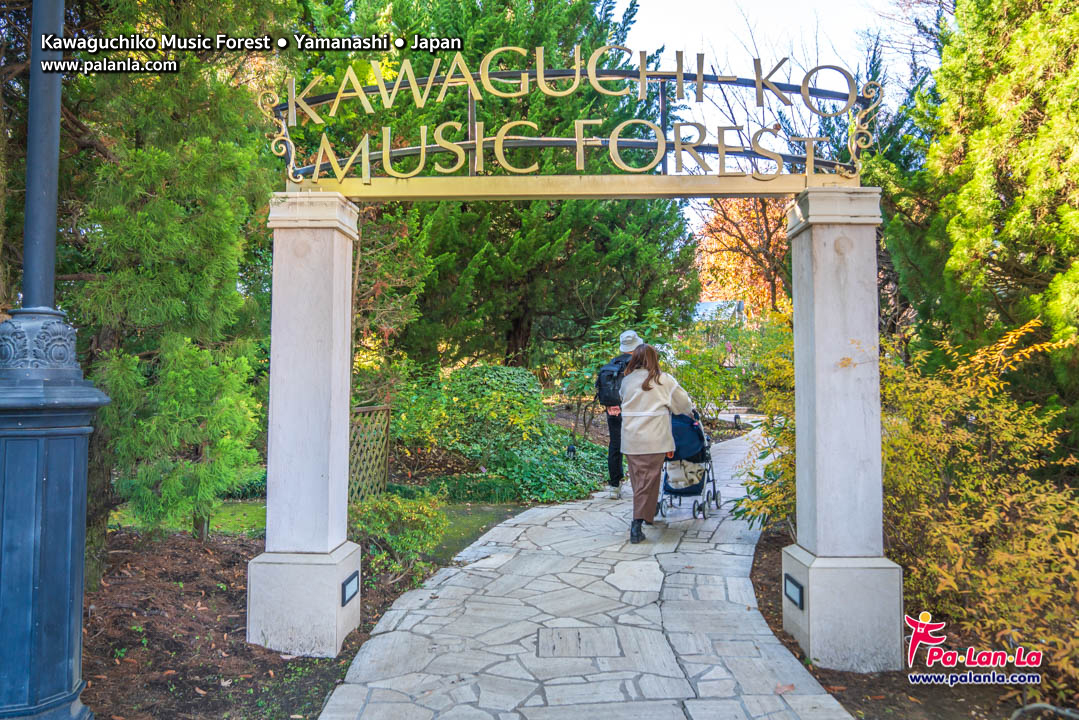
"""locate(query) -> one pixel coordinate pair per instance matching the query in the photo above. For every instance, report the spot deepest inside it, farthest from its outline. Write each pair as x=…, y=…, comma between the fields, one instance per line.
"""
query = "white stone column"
x=851, y=596
x=298, y=591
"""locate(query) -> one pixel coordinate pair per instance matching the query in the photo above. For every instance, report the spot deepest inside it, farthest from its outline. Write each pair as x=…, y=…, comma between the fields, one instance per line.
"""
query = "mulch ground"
x=164, y=637
x=876, y=696
x=416, y=466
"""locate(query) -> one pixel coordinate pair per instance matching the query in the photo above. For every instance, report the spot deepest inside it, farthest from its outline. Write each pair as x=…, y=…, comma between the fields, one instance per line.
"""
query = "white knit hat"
x=628, y=341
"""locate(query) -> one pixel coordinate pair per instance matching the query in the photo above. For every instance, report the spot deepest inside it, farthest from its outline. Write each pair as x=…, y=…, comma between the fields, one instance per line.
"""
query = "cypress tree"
x=987, y=236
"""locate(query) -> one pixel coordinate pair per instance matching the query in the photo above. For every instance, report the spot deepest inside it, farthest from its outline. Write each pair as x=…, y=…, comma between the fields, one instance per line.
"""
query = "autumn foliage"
x=742, y=253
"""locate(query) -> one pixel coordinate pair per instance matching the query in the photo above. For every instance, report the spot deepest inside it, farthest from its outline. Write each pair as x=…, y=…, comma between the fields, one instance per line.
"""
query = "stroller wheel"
x=696, y=505
x=708, y=499
x=659, y=509
x=704, y=511
x=716, y=498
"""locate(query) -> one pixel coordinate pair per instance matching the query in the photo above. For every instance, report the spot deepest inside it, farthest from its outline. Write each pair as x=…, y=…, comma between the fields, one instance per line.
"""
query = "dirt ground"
x=164, y=637
x=877, y=696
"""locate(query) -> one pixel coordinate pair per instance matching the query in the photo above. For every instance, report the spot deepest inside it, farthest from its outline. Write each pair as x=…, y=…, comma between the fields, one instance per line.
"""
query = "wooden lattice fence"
x=369, y=452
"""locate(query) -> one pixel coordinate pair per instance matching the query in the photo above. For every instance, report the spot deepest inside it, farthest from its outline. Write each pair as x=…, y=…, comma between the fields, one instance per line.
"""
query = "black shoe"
x=635, y=532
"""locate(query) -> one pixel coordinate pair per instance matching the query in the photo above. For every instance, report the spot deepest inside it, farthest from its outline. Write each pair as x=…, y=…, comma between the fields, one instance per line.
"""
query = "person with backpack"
x=649, y=398
x=608, y=383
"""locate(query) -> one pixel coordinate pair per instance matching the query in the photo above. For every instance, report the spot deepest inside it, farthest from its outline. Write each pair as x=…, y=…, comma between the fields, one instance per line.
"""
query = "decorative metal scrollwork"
x=280, y=143
x=14, y=346
x=28, y=341
x=54, y=346
x=860, y=135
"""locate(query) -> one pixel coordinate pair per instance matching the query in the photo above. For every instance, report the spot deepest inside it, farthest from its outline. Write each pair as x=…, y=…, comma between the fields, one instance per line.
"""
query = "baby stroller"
x=689, y=473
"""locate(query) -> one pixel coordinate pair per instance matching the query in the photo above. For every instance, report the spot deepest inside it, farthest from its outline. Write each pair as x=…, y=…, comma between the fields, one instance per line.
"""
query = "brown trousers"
x=645, y=472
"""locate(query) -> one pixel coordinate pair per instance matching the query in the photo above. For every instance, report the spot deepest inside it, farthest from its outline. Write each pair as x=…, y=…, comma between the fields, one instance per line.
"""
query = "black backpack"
x=609, y=381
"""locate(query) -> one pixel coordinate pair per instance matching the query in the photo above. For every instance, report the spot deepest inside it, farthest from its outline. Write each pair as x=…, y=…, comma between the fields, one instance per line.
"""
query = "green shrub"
x=985, y=539
x=189, y=426
x=495, y=417
x=493, y=411
x=477, y=487
x=544, y=472
x=252, y=488
x=396, y=533
x=708, y=364
x=420, y=417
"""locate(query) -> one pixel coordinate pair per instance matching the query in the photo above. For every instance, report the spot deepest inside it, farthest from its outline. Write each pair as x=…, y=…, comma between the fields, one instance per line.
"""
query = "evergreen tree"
x=986, y=237
x=163, y=178
x=507, y=275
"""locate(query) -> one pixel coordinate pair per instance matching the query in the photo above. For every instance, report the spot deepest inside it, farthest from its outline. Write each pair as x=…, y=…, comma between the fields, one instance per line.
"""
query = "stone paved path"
x=557, y=617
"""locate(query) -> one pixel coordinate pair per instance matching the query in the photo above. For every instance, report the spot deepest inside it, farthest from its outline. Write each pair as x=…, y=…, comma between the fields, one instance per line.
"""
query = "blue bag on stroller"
x=689, y=439
x=691, y=445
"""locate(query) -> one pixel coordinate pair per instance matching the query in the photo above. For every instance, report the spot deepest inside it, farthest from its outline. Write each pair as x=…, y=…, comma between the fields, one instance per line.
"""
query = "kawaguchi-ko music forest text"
x=452, y=137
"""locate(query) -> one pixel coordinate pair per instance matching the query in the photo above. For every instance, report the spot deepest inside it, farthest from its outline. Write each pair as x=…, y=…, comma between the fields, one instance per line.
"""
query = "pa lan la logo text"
x=922, y=633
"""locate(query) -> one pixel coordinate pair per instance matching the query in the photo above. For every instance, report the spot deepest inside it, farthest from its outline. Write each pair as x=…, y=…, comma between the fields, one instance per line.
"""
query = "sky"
x=816, y=31
x=731, y=33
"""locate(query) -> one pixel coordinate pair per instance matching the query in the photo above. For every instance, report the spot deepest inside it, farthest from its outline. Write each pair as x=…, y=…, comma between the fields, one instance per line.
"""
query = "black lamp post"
x=46, y=408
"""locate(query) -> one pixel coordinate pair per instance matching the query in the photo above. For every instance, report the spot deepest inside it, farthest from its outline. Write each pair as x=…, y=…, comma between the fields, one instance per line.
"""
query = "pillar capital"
x=833, y=206
x=313, y=210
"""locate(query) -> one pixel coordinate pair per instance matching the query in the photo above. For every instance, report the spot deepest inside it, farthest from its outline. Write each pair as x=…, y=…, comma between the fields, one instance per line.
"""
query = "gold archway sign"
x=480, y=165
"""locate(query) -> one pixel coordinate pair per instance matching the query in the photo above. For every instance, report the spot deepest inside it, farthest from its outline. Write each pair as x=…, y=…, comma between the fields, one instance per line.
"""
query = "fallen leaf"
x=876, y=697
x=199, y=690
x=780, y=689
x=914, y=699
x=102, y=677
x=117, y=717
x=226, y=683
x=169, y=672
x=835, y=688
x=287, y=657
x=295, y=717
x=271, y=673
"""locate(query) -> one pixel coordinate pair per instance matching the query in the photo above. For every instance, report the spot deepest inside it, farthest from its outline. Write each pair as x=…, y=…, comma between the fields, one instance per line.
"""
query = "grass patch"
x=468, y=521
x=248, y=517
x=232, y=517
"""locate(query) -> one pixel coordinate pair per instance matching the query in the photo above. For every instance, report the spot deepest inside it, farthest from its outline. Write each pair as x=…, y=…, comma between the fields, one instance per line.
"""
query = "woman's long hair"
x=645, y=356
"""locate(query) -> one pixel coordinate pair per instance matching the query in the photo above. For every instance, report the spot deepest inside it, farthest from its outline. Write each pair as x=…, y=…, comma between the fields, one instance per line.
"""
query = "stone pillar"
x=302, y=593
x=851, y=596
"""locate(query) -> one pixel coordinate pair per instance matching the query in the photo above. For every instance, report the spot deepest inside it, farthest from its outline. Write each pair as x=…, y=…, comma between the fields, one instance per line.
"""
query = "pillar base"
x=69, y=710
x=852, y=610
x=295, y=600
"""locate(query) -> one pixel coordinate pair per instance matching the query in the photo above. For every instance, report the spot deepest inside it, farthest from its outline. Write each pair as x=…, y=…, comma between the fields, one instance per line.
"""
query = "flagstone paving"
x=556, y=616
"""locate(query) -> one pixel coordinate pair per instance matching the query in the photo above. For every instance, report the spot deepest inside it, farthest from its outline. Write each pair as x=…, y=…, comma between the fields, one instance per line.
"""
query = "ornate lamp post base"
x=46, y=408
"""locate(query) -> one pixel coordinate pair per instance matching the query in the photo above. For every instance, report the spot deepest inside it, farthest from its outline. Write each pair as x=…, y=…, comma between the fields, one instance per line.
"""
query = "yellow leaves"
x=986, y=366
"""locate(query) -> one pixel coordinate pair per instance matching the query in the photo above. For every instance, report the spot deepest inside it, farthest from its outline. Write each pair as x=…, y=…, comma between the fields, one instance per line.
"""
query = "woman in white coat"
x=649, y=397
